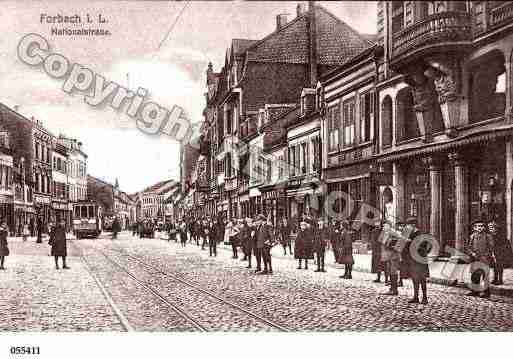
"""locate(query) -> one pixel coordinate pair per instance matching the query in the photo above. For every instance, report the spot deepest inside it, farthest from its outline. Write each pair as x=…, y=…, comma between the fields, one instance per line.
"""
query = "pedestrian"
x=403, y=267
x=115, y=228
x=245, y=235
x=204, y=234
x=392, y=256
x=303, y=246
x=4, y=248
x=321, y=238
x=26, y=232
x=284, y=233
x=259, y=221
x=345, y=248
x=231, y=236
x=58, y=243
x=39, y=230
x=210, y=233
x=416, y=252
x=378, y=265
x=265, y=242
x=197, y=231
x=501, y=250
x=183, y=234
x=480, y=249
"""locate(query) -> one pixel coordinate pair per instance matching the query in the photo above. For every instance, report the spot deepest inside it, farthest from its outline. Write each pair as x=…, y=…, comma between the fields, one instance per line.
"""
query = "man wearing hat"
x=480, y=248
x=392, y=256
x=263, y=235
x=416, y=262
x=321, y=238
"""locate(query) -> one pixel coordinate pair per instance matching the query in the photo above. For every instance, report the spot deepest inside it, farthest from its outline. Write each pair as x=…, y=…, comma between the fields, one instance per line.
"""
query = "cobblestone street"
x=156, y=285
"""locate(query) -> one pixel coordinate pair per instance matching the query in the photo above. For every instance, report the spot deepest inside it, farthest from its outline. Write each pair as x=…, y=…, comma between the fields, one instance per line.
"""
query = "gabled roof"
x=239, y=46
x=336, y=41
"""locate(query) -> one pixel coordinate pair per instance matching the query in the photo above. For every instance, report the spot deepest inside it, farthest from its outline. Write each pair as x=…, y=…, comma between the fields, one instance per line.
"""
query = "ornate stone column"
x=398, y=181
x=462, y=202
x=435, y=179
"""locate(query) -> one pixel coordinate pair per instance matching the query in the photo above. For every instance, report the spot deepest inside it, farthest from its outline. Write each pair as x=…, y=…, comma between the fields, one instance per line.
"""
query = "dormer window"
x=307, y=101
x=4, y=139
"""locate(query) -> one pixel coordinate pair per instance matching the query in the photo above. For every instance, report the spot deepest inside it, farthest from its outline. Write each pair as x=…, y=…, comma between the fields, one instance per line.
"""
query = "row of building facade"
x=42, y=175
x=414, y=121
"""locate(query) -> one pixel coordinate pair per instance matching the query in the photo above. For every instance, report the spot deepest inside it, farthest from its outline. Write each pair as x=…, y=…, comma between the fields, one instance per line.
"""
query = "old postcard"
x=263, y=167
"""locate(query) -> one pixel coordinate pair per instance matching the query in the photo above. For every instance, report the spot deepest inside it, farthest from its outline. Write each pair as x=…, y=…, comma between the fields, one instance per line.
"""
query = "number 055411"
x=24, y=350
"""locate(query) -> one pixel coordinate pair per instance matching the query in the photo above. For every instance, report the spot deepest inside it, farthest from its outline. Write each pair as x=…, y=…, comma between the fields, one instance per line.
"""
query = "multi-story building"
x=258, y=73
x=32, y=151
x=60, y=201
x=151, y=200
x=445, y=98
x=77, y=168
x=6, y=180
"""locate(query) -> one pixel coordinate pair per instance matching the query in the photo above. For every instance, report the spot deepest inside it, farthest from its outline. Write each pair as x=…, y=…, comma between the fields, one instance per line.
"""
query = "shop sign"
x=41, y=200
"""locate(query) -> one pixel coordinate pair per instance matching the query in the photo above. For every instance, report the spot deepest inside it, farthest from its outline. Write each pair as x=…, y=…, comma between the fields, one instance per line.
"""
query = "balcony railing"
x=435, y=29
x=501, y=15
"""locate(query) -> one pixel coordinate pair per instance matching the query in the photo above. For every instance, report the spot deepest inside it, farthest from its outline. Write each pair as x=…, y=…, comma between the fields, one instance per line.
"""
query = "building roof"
x=239, y=46
x=336, y=41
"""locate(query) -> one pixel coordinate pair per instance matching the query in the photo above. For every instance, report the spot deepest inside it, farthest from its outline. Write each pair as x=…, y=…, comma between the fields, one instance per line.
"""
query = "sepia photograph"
x=258, y=169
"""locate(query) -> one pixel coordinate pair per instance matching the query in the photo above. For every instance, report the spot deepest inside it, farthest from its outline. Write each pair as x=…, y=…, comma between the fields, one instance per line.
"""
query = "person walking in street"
x=115, y=228
x=231, y=233
x=403, y=266
x=183, y=234
x=391, y=256
x=321, y=238
x=378, y=266
x=25, y=232
x=4, y=248
x=284, y=233
x=303, y=246
x=245, y=235
x=254, y=241
x=346, y=250
x=480, y=249
x=58, y=243
x=210, y=233
x=502, y=252
x=265, y=243
x=39, y=230
x=417, y=262
x=203, y=234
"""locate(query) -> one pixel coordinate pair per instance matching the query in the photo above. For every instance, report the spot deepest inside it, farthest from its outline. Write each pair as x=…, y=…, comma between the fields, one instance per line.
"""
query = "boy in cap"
x=417, y=262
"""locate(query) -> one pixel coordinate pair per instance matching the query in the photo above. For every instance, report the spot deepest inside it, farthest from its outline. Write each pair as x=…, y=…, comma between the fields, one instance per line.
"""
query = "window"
x=333, y=117
x=269, y=171
x=386, y=122
x=406, y=120
x=366, y=116
x=83, y=211
x=348, y=110
x=397, y=16
x=303, y=157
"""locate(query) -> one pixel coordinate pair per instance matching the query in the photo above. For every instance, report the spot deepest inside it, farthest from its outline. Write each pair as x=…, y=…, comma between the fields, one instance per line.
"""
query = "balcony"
x=437, y=32
x=501, y=15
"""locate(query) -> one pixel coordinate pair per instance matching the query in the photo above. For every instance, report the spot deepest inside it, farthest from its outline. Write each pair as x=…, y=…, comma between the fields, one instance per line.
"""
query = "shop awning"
x=447, y=145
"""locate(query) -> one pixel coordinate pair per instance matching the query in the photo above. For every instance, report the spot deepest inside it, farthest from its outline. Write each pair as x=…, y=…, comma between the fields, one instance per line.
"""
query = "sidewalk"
x=441, y=271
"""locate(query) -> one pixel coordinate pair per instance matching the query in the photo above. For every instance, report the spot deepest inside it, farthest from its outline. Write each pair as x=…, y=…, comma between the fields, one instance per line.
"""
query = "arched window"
x=386, y=122
x=406, y=122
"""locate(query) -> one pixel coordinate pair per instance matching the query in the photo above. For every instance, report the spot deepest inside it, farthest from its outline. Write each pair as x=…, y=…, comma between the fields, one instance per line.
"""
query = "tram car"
x=87, y=219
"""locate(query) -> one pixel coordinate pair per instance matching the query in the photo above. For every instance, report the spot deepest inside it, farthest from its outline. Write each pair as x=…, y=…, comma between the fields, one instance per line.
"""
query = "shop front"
x=43, y=208
x=7, y=210
x=447, y=189
x=274, y=202
x=61, y=212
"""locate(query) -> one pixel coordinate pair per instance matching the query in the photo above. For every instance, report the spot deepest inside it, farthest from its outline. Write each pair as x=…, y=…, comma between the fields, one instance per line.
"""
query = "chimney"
x=281, y=20
x=300, y=9
x=312, y=35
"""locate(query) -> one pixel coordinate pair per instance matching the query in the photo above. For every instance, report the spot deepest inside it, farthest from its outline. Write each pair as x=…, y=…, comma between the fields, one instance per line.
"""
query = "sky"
x=171, y=67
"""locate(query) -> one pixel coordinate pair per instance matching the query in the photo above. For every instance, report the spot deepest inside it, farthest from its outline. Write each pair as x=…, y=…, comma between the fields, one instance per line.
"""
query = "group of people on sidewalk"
x=57, y=241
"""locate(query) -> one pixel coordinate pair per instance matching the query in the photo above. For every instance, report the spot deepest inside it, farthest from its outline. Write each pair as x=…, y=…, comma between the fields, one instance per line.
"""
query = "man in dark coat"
x=4, y=249
x=245, y=235
x=256, y=249
x=502, y=252
x=264, y=243
x=303, y=246
x=115, y=228
x=39, y=230
x=417, y=261
x=211, y=234
x=321, y=238
x=58, y=243
x=284, y=233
